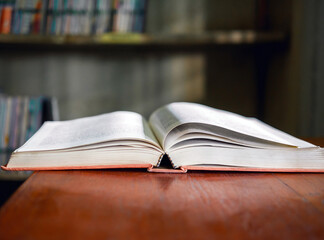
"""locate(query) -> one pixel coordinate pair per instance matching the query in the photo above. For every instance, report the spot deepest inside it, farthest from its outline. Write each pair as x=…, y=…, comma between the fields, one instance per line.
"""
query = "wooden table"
x=118, y=204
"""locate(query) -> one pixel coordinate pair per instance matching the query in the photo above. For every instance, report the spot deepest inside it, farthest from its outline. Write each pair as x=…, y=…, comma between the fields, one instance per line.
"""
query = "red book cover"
x=5, y=22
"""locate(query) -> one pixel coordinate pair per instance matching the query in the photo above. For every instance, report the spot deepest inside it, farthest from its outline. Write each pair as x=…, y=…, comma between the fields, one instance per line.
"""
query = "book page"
x=172, y=115
x=84, y=131
x=289, y=158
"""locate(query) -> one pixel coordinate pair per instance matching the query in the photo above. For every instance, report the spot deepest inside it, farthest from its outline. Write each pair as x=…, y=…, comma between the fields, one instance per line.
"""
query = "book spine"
x=16, y=123
x=34, y=116
x=76, y=17
x=66, y=17
x=26, y=16
x=132, y=15
x=90, y=16
x=21, y=117
x=102, y=16
x=2, y=120
x=141, y=15
x=31, y=106
x=15, y=19
x=5, y=19
x=49, y=17
x=58, y=18
x=39, y=112
x=54, y=17
x=137, y=22
x=43, y=18
x=24, y=121
x=1, y=6
x=7, y=124
x=12, y=123
x=114, y=20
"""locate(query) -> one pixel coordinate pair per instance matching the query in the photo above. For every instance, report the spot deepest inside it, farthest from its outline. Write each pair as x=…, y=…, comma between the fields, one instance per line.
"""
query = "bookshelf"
x=191, y=38
x=234, y=37
x=20, y=118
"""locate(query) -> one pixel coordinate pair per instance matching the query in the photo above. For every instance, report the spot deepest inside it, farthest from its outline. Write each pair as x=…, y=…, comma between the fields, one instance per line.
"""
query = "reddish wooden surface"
x=116, y=204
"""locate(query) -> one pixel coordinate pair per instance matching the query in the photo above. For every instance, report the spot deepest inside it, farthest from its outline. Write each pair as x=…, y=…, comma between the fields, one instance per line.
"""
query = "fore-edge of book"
x=192, y=136
x=152, y=169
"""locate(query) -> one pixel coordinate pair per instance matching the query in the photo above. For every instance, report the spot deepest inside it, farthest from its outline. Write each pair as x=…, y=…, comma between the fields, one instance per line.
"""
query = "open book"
x=192, y=136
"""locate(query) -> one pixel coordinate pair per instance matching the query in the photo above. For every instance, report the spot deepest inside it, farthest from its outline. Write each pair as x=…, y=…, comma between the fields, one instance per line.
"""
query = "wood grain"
x=131, y=204
x=120, y=204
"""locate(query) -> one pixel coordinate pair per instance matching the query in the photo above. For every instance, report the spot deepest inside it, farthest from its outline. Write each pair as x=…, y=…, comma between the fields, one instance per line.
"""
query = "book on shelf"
x=5, y=16
x=70, y=17
x=191, y=136
x=21, y=117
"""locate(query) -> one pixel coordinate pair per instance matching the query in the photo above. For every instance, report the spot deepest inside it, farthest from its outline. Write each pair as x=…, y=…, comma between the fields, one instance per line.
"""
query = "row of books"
x=71, y=17
x=21, y=117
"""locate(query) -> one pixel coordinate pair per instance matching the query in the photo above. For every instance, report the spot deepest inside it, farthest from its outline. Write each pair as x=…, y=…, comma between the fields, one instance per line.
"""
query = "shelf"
x=221, y=38
x=215, y=38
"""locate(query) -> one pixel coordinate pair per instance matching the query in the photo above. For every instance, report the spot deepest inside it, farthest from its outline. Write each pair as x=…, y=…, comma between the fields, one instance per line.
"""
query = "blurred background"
x=258, y=58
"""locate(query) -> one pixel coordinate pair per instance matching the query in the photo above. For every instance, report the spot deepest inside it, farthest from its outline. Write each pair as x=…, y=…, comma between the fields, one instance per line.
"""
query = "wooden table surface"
x=119, y=204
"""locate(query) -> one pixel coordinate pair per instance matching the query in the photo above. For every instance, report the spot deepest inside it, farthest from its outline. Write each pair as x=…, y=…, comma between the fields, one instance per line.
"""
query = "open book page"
x=291, y=139
x=91, y=130
x=289, y=158
x=173, y=115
